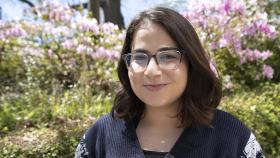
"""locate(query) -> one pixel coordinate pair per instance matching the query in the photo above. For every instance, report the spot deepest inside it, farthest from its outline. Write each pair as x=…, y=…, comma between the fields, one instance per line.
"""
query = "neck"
x=161, y=116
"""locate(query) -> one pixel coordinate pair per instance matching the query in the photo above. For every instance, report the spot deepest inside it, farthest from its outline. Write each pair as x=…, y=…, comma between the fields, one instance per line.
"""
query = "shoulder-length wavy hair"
x=203, y=92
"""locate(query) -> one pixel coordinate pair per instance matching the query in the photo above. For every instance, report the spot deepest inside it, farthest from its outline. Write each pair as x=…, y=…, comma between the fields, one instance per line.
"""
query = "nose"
x=152, y=69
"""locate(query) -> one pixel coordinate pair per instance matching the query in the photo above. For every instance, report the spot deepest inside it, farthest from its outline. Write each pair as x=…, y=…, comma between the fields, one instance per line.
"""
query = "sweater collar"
x=191, y=138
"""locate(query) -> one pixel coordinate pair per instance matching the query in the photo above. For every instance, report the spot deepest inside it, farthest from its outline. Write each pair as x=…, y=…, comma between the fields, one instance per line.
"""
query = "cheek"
x=178, y=75
x=180, y=78
x=134, y=80
x=184, y=78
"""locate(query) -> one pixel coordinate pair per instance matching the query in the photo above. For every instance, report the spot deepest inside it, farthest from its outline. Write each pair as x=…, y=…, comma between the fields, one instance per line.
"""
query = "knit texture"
x=227, y=138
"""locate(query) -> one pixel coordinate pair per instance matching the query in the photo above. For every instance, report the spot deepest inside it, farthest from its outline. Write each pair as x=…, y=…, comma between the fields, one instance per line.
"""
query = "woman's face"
x=156, y=86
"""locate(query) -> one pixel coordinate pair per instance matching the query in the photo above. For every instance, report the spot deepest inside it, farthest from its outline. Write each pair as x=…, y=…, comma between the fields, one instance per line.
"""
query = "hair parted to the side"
x=203, y=92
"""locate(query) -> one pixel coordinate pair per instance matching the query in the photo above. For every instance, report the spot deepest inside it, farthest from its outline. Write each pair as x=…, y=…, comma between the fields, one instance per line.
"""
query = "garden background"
x=58, y=72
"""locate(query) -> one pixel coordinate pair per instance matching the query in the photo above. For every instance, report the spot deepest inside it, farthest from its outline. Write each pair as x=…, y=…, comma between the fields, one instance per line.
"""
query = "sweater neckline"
x=187, y=140
x=154, y=152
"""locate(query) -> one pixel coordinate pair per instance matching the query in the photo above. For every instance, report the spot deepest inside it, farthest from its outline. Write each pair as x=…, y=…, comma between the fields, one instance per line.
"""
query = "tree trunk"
x=93, y=7
x=111, y=8
x=112, y=11
x=0, y=12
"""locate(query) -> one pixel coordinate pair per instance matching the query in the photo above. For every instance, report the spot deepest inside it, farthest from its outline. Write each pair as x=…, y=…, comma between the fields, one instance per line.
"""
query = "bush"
x=259, y=109
x=58, y=141
x=59, y=45
x=60, y=64
x=36, y=106
x=236, y=35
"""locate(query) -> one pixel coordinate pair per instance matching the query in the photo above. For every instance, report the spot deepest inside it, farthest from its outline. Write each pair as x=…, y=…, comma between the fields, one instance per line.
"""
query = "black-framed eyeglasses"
x=166, y=59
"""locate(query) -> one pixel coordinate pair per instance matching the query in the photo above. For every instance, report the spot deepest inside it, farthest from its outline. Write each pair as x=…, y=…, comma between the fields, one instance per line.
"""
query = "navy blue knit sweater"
x=227, y=138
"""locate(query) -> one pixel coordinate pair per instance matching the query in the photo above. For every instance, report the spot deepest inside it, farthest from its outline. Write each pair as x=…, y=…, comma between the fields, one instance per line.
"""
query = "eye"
x=169, y=55
x=139, y=57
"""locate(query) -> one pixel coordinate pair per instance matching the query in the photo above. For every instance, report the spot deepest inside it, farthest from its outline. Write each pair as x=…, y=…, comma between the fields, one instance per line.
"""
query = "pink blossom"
x=266, y=54
x=261, y=16
x=222, y=20
x=16, y=31
x=86, y=25
x=267, y=71
x=58, y=12
x=223, y=42
x=50, y=29
x=69, y=44
x=227, y=6
x=268, y=30
x=228, y=34
x=213, y=45
x=261, y=27
x=253, y=55
x=239, y=7
x=237, y=44
x=249, y=30
x=65, y=17
x=81, y=49
x=228, y=24
x=121, y=36
x=109, y=28
x=101, y=52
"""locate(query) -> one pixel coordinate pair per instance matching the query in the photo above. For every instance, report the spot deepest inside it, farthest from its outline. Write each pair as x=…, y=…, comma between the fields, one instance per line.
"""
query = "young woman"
x=167, y=104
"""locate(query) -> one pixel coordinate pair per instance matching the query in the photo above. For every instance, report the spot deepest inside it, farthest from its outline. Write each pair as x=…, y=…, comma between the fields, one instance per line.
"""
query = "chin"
x=156, y=104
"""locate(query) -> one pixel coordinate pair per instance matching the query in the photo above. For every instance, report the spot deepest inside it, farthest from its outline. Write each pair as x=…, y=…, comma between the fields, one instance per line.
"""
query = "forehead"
x=151, y=36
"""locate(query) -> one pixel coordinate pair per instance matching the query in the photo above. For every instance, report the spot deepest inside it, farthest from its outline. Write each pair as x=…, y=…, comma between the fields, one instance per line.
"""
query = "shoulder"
x=252, y=148
x=93, y=141
x=103, y=126
x=231, y=130
x=102, y=123
x=227, y=122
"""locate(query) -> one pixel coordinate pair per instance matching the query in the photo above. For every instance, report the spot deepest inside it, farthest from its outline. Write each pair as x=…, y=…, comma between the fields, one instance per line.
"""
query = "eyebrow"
x=161, y=49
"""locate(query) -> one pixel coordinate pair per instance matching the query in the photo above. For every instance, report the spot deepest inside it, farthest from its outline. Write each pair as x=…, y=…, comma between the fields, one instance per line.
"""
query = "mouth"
x=154, y=87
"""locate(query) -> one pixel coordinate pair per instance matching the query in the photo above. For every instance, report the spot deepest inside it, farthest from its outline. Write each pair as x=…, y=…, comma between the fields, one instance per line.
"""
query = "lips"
x=154, y=87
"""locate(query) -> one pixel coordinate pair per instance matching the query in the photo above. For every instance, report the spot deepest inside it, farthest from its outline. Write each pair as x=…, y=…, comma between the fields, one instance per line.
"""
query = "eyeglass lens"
x=168, y=59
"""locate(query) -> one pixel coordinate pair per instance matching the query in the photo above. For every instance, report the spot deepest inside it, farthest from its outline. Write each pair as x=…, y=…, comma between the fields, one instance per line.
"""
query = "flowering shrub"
x=233, y=33
x=61, y=45
x=59, y=63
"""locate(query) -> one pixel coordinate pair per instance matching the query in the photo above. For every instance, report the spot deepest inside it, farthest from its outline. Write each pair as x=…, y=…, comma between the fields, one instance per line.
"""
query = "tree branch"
x=27, y=2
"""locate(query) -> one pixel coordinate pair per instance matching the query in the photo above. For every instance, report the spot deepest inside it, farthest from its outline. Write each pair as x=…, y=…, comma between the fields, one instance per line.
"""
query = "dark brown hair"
x=203, y=92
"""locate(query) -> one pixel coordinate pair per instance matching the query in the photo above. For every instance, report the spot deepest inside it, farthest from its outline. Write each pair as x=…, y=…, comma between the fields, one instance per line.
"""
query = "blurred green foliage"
x=259, y=109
